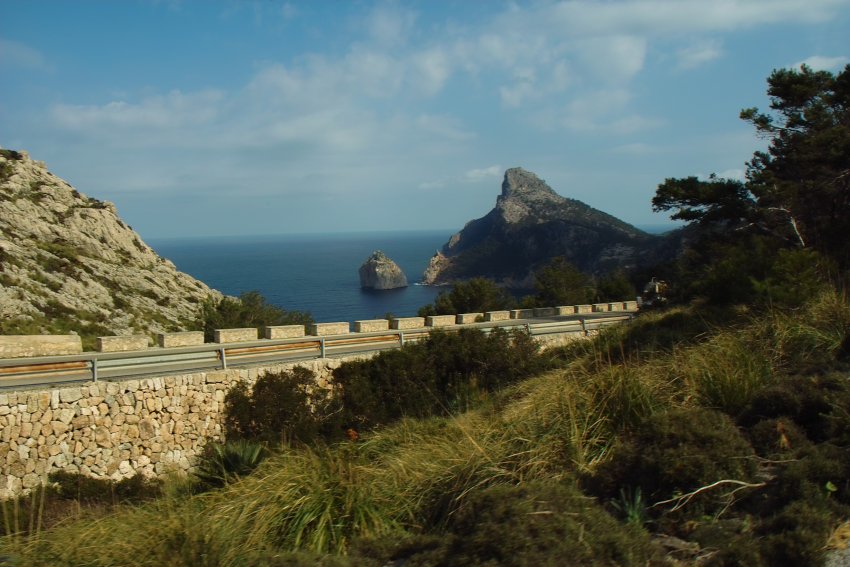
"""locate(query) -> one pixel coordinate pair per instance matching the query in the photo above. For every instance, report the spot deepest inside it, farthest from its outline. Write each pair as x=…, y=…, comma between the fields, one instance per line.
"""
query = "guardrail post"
x=322, y=347
x=583, y=326
x=223, y=358
x=94, y=369
x=401, y=338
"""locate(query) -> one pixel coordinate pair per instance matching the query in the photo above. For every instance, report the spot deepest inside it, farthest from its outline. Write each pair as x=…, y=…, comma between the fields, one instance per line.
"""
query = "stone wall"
x=117, y=429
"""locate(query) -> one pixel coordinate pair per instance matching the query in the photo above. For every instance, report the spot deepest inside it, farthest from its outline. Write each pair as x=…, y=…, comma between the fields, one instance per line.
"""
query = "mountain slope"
x=531, y=224
x=68, y=263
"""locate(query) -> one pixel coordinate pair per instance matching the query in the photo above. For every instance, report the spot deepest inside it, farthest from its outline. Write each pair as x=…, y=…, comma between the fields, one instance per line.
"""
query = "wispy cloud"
x=475, y=175
x=696, y=55
x=17, y=54
x=822, y=63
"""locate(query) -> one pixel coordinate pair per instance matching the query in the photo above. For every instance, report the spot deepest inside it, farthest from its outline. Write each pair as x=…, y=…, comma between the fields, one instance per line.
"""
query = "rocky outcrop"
x=530, y=225
x=68, y=263
x=379, y=272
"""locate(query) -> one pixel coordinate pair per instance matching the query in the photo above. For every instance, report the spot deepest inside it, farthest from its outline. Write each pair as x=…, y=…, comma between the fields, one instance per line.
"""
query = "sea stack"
x=379, y=272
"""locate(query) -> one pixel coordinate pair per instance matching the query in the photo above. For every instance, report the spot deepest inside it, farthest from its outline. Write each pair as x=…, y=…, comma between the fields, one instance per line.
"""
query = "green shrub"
x=817, y=404
x=796, y=535
x=222, y=463
x=561, y=283
x=538, y=523
x=86, y=489
x=675, y=453
x=249, y=310
x=282, y=407
x=473, y=296
x=444, y=374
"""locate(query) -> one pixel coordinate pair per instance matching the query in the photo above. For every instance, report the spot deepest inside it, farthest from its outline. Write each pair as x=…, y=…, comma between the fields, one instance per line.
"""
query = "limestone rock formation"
x=68, y=263
x=530, y=225
x=379, y=272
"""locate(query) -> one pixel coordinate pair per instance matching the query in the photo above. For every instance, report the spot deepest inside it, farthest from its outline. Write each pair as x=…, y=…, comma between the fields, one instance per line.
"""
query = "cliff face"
x=531, y=224
x=379, y=272
x=68, y=263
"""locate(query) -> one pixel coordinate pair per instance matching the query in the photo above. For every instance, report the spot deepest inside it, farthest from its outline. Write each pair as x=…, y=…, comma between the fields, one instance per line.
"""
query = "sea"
x=316, y=273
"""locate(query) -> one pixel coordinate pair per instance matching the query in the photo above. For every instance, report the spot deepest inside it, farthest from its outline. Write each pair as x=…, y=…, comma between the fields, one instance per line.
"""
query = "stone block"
x=584, y=308
x=122, y=343
x=545, y=311
x=466, y=318
x=371, y=325
x=522, y=313
x=17, y=346
x=325, y=329
x=235, y=335
x=565, y=310
x=600, y=307
x=284, y=331
x=404, y=323
x=497, y=316
x=630, y=305
x=440, y=320
x=184, y=339
x=615, y=306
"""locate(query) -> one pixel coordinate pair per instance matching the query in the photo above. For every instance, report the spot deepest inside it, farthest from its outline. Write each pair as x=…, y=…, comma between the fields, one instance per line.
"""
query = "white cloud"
x=428, y=185
x=174, y=110
x=475, y=175
x=17, y=54
x=695, y=55
x=390, y=24
x=431, y=69
x=671, y=17
x=822, y=63
x=613, y=58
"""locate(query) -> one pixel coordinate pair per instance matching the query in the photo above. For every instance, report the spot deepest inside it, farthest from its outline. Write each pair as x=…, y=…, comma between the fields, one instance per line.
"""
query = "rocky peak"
x=379, y=272
x=529, y=225
x=525, y=185
x=524, y=195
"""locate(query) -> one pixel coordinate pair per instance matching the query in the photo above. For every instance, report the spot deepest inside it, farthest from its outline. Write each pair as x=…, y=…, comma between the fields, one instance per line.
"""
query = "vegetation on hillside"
x=730, y=442
x=556, y=283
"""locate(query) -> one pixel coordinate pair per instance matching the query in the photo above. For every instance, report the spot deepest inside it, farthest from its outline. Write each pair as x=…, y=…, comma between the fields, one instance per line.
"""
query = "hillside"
x=69, y=263
x=531, y=224
x=687, y=437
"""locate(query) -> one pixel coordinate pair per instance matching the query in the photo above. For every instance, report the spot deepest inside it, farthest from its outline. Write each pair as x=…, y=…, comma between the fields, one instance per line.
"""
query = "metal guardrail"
x=94, y=366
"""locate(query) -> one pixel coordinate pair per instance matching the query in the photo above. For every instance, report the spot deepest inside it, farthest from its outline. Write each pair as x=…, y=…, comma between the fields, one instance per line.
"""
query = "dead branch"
x=683, y=500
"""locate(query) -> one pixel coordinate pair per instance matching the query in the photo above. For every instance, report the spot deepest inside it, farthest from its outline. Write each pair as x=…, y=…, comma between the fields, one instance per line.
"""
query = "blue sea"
x=310, y=272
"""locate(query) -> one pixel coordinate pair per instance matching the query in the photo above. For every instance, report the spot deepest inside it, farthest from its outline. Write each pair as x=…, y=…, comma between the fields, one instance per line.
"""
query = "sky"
x=239, y=117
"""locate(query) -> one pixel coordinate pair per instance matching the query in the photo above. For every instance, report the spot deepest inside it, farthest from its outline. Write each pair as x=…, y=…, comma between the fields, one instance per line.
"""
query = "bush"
x=222, y=463
x=677, y=452
x=283, y=407
x=89, y=490
x=538, y=523
x=249, y=310
x=561, y=283
x=477, y=295
x=445, y=374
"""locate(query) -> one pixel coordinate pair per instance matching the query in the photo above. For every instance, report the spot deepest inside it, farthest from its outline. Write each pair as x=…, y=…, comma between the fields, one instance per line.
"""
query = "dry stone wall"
x=115, y=430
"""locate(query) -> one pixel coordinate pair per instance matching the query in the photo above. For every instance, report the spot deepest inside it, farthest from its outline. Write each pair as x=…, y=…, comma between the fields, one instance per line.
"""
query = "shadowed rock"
x=379, y=272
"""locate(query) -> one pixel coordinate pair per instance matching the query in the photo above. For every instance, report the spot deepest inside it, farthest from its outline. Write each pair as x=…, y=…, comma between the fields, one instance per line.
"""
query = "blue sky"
x=265, y=117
